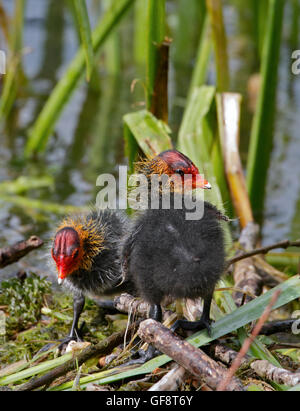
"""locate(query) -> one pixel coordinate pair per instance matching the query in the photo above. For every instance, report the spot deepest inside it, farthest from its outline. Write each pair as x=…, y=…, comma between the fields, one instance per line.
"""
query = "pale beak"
x=60, y=280
x=61, y=276
x=202, y=183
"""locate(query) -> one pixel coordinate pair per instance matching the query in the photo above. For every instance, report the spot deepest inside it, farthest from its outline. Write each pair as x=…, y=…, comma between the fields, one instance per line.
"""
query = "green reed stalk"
x=139, y=39
x=203, y=57
x=85, y=35
x=214, y=8
x=14, y=75
x=262, y=128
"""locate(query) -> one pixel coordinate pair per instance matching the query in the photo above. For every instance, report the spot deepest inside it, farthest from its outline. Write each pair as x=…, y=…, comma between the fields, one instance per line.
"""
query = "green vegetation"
x=144, y=76
x=24, y=300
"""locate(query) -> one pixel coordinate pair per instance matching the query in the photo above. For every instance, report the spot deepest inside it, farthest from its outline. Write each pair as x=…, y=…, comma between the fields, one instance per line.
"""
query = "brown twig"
x=247, y=343
x=9, y=255
x=129, y=304
x=263, y=250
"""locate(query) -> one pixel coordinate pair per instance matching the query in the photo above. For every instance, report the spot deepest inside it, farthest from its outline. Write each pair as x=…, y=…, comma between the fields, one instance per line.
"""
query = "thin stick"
x=247, y=343
x=264, y=250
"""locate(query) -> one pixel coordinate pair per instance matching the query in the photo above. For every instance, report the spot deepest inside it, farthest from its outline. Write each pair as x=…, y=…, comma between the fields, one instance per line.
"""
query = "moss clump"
x=24, y=300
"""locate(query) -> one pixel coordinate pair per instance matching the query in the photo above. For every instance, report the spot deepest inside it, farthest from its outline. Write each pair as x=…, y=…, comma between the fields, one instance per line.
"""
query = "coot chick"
x=168, y=255
x=86, y=252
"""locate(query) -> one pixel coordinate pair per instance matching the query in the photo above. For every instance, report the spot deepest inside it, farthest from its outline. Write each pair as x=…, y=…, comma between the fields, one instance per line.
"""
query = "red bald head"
x=180, y=164
x=66, y=252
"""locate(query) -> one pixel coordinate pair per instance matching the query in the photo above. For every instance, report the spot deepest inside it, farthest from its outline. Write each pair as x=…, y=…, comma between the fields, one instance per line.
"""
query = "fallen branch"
x=279, y=375
x=227, y=355
x=191, y=358
x=9, y=255
x=245, y=274
x=247, y=343
x=172, y=380
x=102, y=348
x=264, y=250
x=261, y=367
x=127, y=303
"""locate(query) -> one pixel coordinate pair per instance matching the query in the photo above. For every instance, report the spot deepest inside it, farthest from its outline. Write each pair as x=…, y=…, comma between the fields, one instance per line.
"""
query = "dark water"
x=88, y=138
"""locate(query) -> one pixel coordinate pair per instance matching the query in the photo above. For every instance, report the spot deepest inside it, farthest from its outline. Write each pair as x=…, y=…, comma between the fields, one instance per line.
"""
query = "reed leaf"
x=286, y=260
x=260, y=14
x=38, y=369
x=112, y=49
x=140, y=40
x=214, y=8
x=203, y=57
x=41, y=205
x=46, y=120
x=144, y=130
x=23, y=184
x=196, y=137
x=261, y=139
x=14, y=75
x=85, y=35
x=189, y=28
x=229, y=110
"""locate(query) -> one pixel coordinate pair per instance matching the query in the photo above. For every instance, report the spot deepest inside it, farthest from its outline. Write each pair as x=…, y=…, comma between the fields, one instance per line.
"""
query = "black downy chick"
x=168, y=255
x=86, y=252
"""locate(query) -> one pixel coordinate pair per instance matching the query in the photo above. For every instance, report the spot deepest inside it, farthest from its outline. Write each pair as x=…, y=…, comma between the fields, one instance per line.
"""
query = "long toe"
x=192, y=325
x=47, y=347
x=175, y=326
x=60, y=344
x=143, y=356
x=64, y=342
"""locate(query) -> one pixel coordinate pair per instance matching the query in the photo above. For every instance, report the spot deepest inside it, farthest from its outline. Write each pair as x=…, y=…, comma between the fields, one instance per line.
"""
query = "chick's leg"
x=78, y=305
x=74, y=334
x=155, y=313
x=204, y=321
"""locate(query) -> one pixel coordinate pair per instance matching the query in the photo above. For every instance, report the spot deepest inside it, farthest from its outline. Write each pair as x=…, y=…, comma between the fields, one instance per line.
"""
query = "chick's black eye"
x=180, y=172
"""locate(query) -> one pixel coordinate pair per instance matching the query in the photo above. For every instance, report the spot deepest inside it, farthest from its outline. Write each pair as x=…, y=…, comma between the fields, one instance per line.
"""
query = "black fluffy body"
x=168, y=255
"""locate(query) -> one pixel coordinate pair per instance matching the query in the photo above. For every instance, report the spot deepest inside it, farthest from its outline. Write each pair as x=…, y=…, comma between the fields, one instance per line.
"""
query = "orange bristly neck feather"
x=152, y=165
